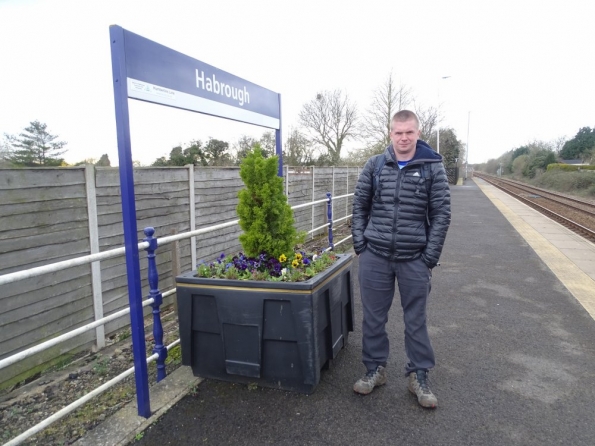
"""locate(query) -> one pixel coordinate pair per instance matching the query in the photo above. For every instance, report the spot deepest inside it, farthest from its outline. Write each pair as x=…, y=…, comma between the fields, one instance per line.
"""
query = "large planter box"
x=274, y=334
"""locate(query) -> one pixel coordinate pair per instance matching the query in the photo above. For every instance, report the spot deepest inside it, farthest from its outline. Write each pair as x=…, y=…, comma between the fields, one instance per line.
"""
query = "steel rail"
x=570, y=224
x=530, y=188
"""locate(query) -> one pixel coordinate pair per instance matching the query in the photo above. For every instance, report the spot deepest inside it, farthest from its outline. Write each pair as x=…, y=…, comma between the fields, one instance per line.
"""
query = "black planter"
x=274, y=334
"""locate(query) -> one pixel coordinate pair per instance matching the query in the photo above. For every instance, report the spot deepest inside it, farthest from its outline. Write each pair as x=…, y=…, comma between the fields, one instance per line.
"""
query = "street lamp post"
x=438, y=117
x=467, y=151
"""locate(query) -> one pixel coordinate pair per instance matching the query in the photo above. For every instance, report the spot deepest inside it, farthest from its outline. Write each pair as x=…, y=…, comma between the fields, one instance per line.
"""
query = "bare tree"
x=268, y=144
x=359, y=156
x=242, y=147
x=428, y=121
x=245, y=144
x=387, y=99
x=331, y=119
x=558, y=144
x=298, y=150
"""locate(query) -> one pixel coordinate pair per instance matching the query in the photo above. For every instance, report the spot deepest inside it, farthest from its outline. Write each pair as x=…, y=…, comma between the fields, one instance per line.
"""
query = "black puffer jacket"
x=393, y=223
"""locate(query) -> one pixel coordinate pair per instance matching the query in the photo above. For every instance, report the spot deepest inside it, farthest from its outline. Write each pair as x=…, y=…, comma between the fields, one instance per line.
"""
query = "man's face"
x=404, y=137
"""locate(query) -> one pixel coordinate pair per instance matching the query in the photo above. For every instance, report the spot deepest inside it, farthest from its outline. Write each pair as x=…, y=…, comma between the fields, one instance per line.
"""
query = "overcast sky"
x=520, y=70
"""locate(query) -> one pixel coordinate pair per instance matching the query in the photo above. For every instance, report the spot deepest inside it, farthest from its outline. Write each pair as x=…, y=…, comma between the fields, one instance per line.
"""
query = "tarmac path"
x=515, y=363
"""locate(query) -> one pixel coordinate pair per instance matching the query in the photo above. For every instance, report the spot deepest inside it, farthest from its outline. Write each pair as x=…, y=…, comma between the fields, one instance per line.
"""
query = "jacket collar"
x=423, y=154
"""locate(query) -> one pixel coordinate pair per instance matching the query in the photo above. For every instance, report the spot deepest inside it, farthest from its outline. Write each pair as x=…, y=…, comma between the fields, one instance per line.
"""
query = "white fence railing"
x=54, y=214
x=58, y=266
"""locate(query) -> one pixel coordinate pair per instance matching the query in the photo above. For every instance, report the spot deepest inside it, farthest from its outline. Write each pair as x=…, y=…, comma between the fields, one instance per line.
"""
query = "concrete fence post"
x=192, y=207
x=94, y=249
x=333, y=188
x=347, y=192
x=287, y=182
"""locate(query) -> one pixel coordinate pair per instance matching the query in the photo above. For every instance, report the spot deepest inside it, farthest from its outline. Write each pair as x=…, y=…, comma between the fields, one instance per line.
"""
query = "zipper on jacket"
x=400, y=175
x=398, y=201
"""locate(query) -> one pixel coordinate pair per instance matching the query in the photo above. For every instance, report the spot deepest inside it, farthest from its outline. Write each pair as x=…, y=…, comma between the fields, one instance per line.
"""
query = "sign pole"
x=148, y=71
x=279, y=142
x=129, y=220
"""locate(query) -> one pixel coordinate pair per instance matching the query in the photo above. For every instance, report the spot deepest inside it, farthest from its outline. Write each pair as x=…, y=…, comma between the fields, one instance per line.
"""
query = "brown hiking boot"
x=371, y=379
x=420, y=386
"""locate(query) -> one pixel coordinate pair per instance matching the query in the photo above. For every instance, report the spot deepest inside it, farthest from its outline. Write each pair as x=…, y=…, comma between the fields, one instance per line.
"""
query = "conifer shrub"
x=266, y=218
x=269, y=239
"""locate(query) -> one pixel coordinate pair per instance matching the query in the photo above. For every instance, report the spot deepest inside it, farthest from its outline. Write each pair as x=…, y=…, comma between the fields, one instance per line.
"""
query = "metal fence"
x=49, y=215
x=155, y=300
x=452, y=173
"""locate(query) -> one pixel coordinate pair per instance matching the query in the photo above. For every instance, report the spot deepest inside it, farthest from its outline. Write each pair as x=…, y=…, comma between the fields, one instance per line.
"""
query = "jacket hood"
x=423, y=153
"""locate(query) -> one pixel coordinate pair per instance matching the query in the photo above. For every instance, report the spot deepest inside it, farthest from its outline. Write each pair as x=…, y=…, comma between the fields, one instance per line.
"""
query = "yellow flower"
x=298, y=256
x=295, y=263
x=282, y=258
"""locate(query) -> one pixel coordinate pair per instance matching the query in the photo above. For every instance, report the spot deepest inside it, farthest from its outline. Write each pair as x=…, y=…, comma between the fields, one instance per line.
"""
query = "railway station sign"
x=158, y=74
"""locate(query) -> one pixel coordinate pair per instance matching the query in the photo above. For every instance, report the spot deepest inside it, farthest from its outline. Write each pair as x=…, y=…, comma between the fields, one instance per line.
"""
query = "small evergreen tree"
x=104, y=161
x=265, y=216
x=35, y=147
x=580, y=145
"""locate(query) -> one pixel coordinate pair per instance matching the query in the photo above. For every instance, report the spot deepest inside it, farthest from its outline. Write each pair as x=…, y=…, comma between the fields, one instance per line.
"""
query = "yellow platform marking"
x=580, y=285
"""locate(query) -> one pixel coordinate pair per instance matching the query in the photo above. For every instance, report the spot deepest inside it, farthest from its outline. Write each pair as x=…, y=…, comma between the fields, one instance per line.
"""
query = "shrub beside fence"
x=53, y=214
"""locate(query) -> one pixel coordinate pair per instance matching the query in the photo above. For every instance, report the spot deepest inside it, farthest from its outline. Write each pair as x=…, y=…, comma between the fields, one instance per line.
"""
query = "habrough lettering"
x=217, y=87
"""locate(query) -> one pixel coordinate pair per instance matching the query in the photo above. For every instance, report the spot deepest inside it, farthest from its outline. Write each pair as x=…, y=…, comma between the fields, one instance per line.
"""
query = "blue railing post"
x=157, y=301
x=329, y=212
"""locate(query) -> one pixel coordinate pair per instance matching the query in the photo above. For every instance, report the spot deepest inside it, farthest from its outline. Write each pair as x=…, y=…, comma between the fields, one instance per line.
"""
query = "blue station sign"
x=156, y=73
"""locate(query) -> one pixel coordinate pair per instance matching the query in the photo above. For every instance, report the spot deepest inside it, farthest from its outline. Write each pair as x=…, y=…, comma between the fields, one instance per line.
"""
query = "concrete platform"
x=511, y=319
x=570, y=257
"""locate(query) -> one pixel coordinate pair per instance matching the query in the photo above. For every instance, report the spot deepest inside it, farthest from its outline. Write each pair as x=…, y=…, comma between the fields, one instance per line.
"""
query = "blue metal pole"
x=129, y=220
x=329, y=213
x=157, y=301
x=279, y=142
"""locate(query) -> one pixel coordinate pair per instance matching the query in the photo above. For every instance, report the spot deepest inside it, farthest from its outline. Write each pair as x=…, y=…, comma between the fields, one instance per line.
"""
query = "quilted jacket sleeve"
x=438, y=215
x=362, y=203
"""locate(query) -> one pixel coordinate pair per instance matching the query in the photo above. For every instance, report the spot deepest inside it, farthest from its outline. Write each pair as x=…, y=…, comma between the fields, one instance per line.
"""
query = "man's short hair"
x=405, y=115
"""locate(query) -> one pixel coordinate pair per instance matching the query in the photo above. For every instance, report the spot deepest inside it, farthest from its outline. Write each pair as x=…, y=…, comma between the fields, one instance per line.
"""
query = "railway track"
x=575, y=214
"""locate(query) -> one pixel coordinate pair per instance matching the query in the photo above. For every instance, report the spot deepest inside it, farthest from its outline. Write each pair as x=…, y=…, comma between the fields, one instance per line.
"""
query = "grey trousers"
x=377, y=285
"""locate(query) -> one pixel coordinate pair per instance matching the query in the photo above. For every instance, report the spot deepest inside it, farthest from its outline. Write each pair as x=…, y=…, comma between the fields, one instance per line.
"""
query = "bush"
x=581, y=182
x=568, y=167
x=265, y=216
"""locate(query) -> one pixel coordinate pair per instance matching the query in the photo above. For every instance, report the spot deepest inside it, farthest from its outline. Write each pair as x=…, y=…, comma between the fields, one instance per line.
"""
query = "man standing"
x=401, y=213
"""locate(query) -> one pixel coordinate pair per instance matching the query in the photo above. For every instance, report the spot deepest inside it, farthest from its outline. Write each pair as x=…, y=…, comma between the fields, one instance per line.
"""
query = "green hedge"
x=568, y=167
